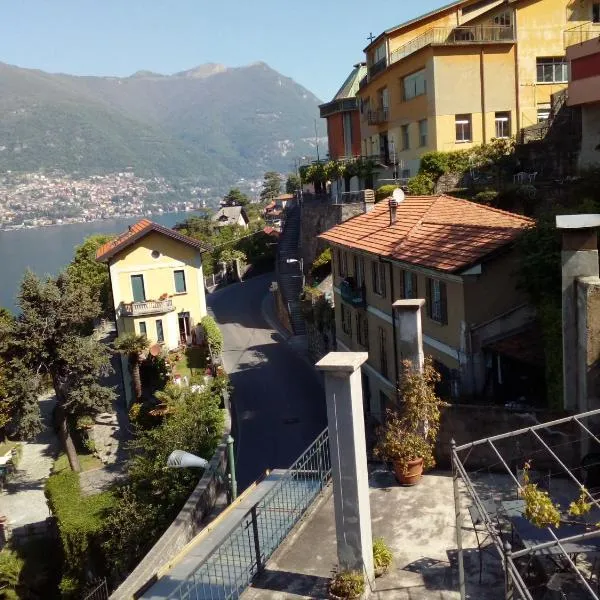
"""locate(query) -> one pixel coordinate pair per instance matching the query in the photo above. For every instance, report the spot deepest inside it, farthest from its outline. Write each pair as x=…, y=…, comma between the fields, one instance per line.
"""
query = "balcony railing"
x=476, y=34
x=148, y=307
x=581, y=33
x=336, y=106
x=374, y=117
x=378, y=67
x=352, y=293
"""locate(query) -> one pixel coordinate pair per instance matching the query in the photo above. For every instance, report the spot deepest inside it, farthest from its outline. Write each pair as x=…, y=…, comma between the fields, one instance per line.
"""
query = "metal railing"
x=343, y=104
x=231, y=566
x=100, y=592
x=148, y=307
x=378, y=67
x=581, y=33
x=379, y=115
x=475, y=34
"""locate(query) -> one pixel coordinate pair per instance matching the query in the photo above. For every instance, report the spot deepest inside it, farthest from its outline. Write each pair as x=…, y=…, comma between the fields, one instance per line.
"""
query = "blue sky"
x=315, y=41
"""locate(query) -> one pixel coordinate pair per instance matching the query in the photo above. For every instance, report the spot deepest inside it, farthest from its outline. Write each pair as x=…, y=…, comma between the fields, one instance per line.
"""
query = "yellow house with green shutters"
x=157, y=283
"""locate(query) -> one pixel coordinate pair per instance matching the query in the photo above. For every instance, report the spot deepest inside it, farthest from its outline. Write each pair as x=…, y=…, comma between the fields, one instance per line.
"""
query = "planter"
x=413, y=473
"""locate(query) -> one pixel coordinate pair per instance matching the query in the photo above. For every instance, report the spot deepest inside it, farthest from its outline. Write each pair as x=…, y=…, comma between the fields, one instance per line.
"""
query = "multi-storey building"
x=157, y=284
x=459, y=256
x=464, y=74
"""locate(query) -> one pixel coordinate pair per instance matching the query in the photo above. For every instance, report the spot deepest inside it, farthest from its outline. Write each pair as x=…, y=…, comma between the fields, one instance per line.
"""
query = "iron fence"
x=231, y=566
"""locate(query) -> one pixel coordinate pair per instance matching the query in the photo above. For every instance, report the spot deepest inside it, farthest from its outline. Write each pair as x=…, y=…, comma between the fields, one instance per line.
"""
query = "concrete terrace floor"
x=418, y=524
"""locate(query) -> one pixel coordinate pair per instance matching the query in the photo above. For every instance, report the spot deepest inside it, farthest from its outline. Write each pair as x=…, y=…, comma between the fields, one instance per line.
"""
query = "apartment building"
x=464, y=74
x=460, y=257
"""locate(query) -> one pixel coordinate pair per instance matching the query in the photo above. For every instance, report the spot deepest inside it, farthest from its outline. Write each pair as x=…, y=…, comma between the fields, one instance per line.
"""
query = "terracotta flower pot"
x=413, y=473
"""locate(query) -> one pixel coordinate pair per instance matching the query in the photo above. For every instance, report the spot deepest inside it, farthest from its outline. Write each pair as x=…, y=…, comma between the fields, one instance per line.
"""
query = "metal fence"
x=100, y=592
x=230, y=567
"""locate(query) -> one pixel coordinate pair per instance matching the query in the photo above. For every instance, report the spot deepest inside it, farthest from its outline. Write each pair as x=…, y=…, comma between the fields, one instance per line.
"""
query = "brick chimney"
x=580, y=310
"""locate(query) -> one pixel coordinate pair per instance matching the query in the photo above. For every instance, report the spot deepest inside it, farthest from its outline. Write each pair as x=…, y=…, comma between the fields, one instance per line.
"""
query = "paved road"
x=279, y=402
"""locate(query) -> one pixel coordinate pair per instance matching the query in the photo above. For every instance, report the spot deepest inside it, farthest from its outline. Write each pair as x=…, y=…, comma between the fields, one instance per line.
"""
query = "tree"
x=52, y=336
x=292, y=184
x=271, y=186
x=235, y=197
x=133, y=346
x=85, y=270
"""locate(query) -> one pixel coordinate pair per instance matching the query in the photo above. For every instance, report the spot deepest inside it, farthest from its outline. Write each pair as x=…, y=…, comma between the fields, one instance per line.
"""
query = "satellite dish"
x=155, y=349
x=398, y=195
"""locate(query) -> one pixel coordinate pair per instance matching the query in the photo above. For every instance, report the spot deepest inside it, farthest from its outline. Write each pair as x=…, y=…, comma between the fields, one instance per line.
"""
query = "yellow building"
x=459, y=256
x=157, y=284
x=464, y=74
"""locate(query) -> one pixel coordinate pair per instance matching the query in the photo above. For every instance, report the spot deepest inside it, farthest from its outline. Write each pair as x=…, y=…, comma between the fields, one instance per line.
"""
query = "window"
x=155, y=254
x=383, y=357
x=553, y=69
x=409, y=285
x=502, y=124
x=359, y=270
x=405, y=135
x=463, y=128
x=405, y=174
x=347, y=125
x=180, y=282
x=423, y=132
x=596, y=12
x=137, y=287
x=503, y=19
x=160, y=334
x=384, y=99
x=343, y=270
x=362, y=330
x=378, y=272
x=414, y=85
x=436, y=301
x=543, y=114
x=346, y=320
x=143, y=330
x=379, y=53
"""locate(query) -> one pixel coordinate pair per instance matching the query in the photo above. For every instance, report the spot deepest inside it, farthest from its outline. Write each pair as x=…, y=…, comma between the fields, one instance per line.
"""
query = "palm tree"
x=133, y=346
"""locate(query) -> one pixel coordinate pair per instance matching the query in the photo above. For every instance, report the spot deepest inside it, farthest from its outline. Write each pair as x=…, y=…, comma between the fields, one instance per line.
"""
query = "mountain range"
x=211, y=123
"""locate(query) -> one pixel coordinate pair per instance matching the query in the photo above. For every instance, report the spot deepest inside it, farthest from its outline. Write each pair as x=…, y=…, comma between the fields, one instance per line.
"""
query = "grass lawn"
x=192, y=362
x=87, y=462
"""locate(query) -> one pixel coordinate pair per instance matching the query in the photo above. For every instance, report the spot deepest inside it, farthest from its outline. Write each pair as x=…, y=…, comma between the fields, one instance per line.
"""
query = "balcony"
x=581, y=33
x=337, y=106
x=352, y=293
x=378, y=67
x=451, y=36
x=375, y=117
x=147, y=307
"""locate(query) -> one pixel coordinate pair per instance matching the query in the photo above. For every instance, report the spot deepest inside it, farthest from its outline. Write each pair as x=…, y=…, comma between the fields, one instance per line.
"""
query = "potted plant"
x=382, y=557
x=347, y=585
x=408, y=437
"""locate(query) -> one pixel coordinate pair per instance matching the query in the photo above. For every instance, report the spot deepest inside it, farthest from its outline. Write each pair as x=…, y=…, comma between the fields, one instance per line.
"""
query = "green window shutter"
x=382, y=275
x=402, y=287
x=160, y=334
x=137, y=287
x=429, y=306
x=443, y=303
x=180, y=282
x=143, y=328
x=374, y=275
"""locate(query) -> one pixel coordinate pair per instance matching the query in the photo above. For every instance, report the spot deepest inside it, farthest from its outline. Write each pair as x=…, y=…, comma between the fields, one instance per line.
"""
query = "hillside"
x=211, y=123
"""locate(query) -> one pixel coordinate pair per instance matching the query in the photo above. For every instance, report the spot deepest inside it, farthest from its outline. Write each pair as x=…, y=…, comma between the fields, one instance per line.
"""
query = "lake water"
x=46, y=250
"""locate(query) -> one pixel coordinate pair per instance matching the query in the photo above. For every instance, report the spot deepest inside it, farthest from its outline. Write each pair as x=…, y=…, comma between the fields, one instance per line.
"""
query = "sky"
x=315, y=42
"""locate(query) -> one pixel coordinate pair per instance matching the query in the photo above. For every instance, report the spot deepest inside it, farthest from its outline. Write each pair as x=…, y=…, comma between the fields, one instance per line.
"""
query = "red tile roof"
x=438, y=232
x=138, y=231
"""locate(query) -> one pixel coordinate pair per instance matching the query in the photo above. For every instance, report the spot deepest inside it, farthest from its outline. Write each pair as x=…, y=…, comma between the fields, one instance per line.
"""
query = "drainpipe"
x=396, y=370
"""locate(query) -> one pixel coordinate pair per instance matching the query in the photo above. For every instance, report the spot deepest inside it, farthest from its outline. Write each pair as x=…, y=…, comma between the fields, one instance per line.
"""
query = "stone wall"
x=320, y=341
x=283, y=316
x=187, y=524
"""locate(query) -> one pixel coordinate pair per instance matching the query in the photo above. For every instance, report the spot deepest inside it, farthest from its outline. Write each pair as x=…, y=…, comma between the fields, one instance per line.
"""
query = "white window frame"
x=502, y=122
x=465, y=122
x=414, y=85
x=551, y=69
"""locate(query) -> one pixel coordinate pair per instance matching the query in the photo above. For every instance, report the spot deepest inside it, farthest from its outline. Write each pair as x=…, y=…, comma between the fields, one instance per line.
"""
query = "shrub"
x=487, y=197
x=382, y=555
x=348, y=584
x=213, y=335
x=323, y=259
x=421, y=185
x=385, y=191
x=11, y=566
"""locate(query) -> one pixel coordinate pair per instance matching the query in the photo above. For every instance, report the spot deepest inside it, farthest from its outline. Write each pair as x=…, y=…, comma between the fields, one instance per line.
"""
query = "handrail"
x=580, y=34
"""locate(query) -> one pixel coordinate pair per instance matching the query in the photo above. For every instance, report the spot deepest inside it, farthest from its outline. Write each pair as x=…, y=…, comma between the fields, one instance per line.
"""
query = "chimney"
x=409, y=334
x=369, y=200
x=393, y=206
x=580, y=300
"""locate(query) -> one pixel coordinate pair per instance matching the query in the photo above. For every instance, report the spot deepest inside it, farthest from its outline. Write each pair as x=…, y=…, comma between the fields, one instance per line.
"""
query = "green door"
x=137, y=286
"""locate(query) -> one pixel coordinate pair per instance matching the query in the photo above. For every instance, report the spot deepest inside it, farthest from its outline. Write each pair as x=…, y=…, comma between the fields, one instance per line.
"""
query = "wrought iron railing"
x=231, y=566
x=455, y=35
x=147, y=307
x=378, y=67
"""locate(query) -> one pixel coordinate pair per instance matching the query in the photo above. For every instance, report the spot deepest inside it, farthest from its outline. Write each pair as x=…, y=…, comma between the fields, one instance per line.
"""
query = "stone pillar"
x=409, y=334
x=579, y=258
x=343, y=390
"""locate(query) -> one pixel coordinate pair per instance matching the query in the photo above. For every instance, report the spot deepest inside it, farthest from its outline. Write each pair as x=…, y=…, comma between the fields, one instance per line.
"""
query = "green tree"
x=85, y=270
x=235, y=197
x=133, y=346
x=52, y=336
x=271, y=186
x=292, y=184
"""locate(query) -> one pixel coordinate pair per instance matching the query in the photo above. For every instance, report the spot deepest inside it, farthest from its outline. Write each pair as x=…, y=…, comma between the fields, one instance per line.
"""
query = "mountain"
x=212, y=122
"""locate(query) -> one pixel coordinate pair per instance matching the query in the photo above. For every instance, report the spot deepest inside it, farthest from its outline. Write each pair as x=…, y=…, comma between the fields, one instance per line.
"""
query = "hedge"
x=213, y=335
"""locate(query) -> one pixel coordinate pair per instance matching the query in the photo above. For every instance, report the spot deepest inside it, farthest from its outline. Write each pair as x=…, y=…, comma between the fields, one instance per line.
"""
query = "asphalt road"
x=278, y=399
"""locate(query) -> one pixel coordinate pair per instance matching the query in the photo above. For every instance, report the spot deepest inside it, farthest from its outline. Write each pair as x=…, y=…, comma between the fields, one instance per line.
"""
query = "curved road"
x=278, y=400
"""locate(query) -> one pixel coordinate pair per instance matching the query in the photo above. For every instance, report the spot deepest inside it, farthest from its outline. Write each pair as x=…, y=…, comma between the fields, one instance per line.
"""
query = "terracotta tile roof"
x=438, y=232
x=138, y=231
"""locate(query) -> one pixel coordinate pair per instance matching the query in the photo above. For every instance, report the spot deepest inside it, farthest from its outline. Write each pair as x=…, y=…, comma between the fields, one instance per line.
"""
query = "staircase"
x=289, y=270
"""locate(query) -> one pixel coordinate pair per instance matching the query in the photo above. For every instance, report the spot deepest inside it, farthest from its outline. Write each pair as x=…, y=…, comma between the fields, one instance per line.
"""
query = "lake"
x=46, y=250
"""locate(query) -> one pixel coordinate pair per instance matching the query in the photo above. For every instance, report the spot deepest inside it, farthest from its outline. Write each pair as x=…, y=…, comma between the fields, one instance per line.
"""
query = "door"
x=137, y=287
x=184, y=326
